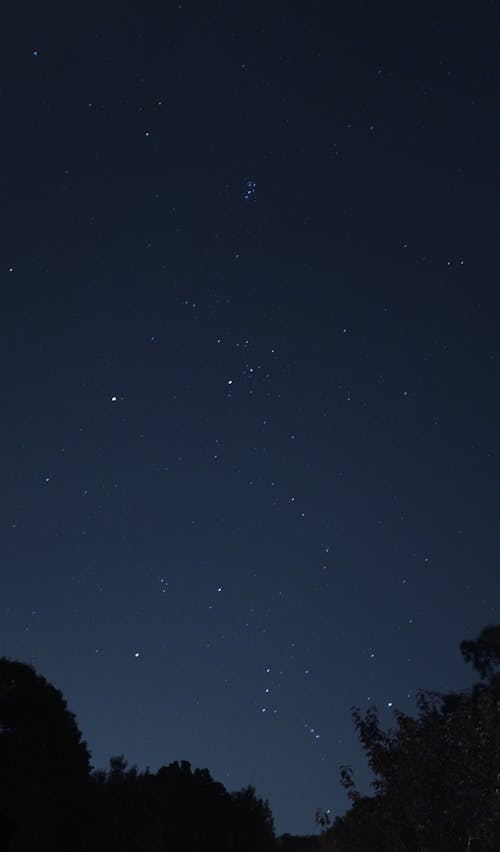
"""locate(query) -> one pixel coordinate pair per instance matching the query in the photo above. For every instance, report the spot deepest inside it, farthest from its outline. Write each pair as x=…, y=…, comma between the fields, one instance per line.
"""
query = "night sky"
x=249, y=351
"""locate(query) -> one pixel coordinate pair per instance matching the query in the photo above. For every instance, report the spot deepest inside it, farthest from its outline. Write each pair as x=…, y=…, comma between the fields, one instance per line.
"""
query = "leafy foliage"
x=436, y=775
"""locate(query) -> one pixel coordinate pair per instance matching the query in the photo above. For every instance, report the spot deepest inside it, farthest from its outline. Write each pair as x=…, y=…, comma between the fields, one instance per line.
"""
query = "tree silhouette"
x=252, y=822
x=54, y=803
x=44, y=764
x=436, y=774
x=484, y=653
x=7, y=828
x=175, y=808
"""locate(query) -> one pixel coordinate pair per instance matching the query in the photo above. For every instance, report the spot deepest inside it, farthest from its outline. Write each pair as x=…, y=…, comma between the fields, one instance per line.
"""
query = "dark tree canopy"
x=436, y=781
x=484, y=652
x=176, y=808
x=436, y=774
x=44, y=764
x=51, y=802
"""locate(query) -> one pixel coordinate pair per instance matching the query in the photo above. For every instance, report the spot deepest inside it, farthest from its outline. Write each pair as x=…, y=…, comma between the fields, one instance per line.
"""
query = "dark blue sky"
x=249, y=351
